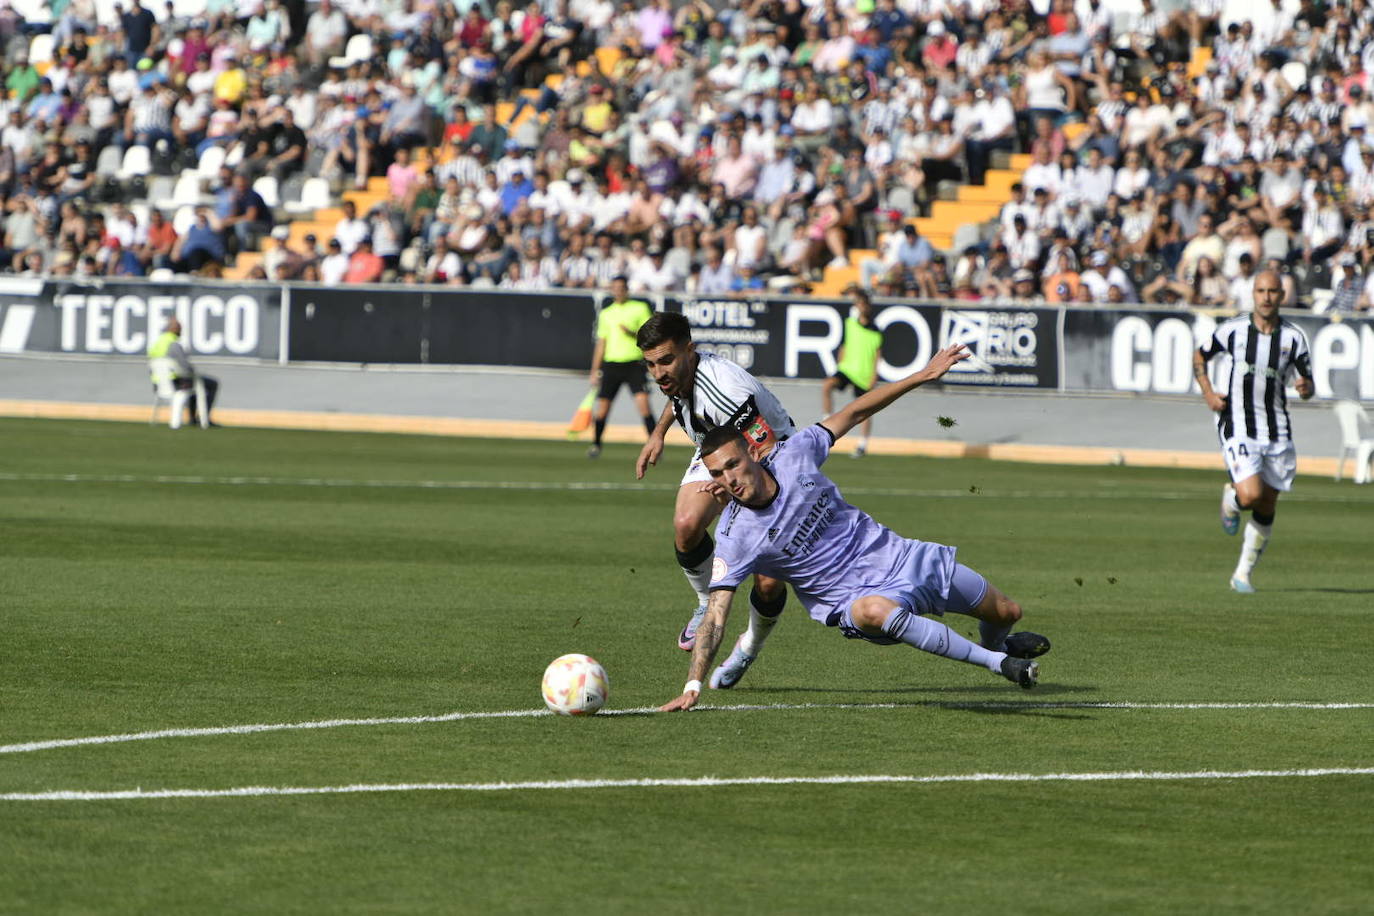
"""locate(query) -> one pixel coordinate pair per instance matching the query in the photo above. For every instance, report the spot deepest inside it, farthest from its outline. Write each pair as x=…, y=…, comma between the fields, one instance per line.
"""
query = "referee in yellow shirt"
x=858, y=362
x=616, y=360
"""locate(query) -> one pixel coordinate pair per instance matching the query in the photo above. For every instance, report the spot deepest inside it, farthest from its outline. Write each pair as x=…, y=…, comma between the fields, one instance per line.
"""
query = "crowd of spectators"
x=714, y=150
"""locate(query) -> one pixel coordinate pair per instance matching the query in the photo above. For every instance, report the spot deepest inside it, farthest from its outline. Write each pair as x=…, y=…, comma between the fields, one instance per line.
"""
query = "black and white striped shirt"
x=1261, y=365
x=723, y=394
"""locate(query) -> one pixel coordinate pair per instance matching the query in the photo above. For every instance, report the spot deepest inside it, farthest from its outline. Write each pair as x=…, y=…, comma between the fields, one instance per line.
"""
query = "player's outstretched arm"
x=710, y=632
x=653, y=449
x=860, y=409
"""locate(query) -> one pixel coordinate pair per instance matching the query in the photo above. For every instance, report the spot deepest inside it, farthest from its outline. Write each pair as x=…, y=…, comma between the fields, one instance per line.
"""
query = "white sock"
x=1256, y=538
x=760, y=625
x=696, y=566
x=1229, y=498
x=938, y=639
x=699, y=577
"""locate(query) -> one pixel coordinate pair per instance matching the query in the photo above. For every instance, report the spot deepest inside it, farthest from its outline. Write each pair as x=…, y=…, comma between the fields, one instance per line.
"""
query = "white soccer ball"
x=575, y=685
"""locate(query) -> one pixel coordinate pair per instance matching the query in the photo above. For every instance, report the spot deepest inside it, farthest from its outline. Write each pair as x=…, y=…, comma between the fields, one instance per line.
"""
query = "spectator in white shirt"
x=1093, y=180
x=1323, y=228
x=1132, y=177
x=1044, y=172
x=654, y=274
x=1022, y=242
x=1279, y=188
x=994, y=129
x=333, y=265
x=350, y=229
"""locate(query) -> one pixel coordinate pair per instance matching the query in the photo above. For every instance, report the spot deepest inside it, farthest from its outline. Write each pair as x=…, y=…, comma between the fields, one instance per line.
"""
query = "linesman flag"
x=582, y=417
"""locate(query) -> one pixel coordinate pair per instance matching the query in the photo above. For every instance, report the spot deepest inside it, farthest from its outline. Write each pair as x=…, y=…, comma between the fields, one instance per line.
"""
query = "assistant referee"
x=616, y=360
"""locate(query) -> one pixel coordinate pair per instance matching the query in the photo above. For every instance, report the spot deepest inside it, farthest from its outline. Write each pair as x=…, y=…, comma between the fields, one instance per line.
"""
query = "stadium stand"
x=1118, y=150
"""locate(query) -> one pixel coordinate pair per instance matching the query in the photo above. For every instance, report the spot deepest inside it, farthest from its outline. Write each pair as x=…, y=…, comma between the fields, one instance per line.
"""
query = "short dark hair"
x=663, y=327
x=720, y=437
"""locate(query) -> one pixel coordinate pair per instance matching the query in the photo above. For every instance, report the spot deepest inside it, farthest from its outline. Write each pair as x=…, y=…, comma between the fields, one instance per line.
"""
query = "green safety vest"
x=861, y=346
x=159, y=347
x=612, y=323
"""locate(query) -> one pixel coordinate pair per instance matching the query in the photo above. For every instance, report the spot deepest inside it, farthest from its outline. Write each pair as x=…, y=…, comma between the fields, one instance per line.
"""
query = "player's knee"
x=869, y=614
x=1007, y=611
x=688, y=527
x=770, y=590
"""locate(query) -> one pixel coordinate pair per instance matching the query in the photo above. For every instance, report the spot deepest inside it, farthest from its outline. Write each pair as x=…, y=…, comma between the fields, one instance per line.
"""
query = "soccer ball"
x=575, y=685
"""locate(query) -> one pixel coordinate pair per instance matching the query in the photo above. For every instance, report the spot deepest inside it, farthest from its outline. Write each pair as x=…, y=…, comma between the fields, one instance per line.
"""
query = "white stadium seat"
x=315, y=195
x=210, y=161
x=183, y=219
x=1354, y=421
x=187, y=190
x=137, y=161
x=41, y=49
x=266, y=186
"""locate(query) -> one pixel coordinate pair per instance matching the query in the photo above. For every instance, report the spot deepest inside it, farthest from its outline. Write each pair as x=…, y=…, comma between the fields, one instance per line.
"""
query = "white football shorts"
x=1275, y=462
x=696, y=470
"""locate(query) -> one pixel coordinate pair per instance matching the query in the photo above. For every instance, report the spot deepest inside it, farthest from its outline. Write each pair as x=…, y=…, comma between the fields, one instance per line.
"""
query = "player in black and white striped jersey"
x=705, y=391
x=1265, y=353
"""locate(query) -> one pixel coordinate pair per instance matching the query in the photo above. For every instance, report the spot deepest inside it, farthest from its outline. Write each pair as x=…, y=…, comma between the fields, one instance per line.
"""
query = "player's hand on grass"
x=681, y=704
x=1217, y=402
x=648, y=455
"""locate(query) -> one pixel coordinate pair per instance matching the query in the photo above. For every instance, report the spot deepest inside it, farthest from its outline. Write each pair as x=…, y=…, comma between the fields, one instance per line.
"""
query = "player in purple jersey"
x=788, y=521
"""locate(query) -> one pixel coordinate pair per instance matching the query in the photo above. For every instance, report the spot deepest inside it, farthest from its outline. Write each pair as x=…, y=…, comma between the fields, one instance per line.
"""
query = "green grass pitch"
x=311, y=576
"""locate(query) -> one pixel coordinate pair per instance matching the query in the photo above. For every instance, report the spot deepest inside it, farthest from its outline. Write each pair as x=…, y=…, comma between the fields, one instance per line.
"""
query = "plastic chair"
x=1295, y=72
x=314, y=196
x=210, y=161
x=1352, y=416
x=41, y=49
x=358, y=49
x=138, y=160
x=267, y=189
x=185, y=191
x=163, y=370
x=108, y=162
x=183, y=219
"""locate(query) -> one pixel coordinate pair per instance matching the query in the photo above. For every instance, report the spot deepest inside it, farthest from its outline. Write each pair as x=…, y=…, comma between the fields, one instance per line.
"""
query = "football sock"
x=649, y=424
x=763, y=616
x=696, y=565
x=938, y=639
x=993, y=635
x=1232, y=506
x=1256, y=539
x=600, y=428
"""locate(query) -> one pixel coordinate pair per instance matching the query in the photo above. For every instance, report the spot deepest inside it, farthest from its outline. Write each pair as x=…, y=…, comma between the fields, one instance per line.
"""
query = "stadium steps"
x=1202, y=56
x=836, y=280
x=376, y=193
x=243, y=264
x=505, y=110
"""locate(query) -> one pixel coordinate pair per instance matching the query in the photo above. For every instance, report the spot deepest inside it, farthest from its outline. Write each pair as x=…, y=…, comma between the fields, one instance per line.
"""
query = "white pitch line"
x=682, y=783
x=593, y=486
x=211, y=731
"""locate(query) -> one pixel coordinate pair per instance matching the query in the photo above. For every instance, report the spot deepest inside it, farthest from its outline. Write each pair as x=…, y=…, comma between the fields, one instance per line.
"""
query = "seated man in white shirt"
x=654, y=274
